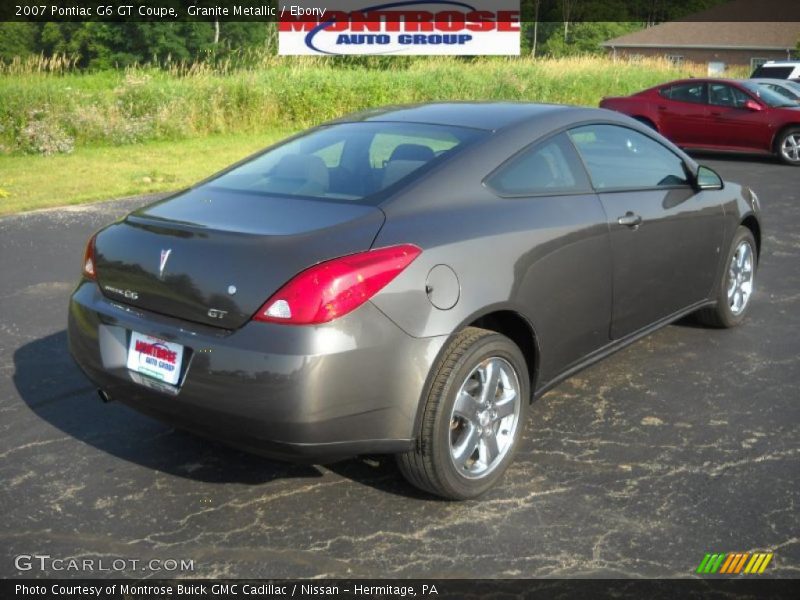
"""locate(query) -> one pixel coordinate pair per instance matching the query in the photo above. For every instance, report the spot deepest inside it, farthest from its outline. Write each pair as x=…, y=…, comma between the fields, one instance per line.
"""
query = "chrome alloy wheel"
x=485, y=418
x=790, y=148
x=740, y=277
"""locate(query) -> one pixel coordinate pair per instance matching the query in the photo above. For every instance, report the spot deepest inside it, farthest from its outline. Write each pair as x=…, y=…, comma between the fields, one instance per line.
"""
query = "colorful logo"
x=403, y=27
x=733, y=563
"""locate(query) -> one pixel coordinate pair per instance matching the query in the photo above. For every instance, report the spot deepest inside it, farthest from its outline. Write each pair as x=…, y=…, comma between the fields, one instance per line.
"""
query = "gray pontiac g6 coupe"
x=407, y=281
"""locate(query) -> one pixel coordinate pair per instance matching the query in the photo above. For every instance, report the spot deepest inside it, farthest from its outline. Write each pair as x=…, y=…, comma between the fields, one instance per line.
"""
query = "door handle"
x=662, y=108
x=630, y=220
x=716, y=114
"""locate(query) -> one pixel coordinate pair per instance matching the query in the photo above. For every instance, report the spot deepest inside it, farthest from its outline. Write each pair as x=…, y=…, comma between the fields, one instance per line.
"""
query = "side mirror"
x=707, y=179
x=753, y=105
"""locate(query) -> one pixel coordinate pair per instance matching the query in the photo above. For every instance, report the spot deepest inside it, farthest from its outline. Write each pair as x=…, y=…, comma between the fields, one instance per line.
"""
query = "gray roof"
x=710, y=29
x=490, y=116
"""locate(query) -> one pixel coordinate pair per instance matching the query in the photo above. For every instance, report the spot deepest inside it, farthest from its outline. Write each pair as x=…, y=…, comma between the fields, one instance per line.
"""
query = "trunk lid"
x=214, y=257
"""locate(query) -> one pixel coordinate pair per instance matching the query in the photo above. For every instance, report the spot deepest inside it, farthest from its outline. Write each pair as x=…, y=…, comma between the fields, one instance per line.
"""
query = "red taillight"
x=336, y=287
x=89, y=267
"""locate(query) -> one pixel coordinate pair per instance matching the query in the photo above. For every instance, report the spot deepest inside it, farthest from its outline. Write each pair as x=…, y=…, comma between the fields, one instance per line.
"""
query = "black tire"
x=430, y=465
x=788, y=158
x=722, y=314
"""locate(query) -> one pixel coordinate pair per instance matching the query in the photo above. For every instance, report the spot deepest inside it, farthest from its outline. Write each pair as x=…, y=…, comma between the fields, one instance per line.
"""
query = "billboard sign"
x=401, y=28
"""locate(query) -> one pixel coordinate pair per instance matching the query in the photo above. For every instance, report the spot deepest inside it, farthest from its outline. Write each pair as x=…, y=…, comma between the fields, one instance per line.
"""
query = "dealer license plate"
x=155, y=358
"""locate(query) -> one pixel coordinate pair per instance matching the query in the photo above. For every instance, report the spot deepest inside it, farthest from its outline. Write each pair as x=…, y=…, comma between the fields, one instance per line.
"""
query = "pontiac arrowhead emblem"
x=164, y=258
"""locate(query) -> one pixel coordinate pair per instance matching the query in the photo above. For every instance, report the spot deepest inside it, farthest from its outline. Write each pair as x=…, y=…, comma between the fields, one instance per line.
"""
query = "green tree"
x=18, y=39
x=51, y=39
x=586, y=37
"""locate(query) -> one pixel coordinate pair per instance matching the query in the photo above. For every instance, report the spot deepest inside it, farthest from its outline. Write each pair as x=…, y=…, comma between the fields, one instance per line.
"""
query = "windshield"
x=767, y=96
x=792, y=85
x=785, y=88
x=347, y=162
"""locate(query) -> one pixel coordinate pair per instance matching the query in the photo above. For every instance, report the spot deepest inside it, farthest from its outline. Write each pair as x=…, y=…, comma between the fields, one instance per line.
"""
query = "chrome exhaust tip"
x=104, y=397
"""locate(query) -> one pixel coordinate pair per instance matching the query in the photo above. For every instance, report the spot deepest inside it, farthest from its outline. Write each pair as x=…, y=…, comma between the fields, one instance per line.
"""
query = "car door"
x=563, y=270
x=665, y=237
x=731, y=124
x=682, y=111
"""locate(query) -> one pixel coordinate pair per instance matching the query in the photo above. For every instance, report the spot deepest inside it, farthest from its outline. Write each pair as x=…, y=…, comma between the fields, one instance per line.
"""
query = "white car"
x=778, y=69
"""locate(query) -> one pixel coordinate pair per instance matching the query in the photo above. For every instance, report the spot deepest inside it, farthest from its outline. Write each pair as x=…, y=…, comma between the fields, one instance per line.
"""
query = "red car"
x=718, y=114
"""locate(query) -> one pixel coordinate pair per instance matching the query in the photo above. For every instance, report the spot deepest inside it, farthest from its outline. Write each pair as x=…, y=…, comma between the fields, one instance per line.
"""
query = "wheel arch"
x=500, y=319
x=776, y=138
x=520, y=331
x=752, y=224
x=645, y=120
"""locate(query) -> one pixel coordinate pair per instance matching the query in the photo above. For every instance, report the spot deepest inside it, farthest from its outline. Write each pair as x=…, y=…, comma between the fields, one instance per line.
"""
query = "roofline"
x=383, y=114
x=697, y=46
x=345, y=121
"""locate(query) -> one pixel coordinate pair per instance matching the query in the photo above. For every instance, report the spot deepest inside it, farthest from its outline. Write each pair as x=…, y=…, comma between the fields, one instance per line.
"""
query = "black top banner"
x=649, y=11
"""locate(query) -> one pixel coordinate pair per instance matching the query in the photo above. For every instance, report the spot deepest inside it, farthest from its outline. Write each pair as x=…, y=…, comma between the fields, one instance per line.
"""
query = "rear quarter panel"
x=633, y=106
x=546, y=258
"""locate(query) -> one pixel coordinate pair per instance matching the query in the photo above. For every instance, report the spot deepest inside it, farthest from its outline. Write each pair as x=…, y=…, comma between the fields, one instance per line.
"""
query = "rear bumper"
x=315, y=394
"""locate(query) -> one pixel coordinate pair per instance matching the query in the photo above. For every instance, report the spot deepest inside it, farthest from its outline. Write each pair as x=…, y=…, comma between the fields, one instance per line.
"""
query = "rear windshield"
x=772, y=71
x=347, y=162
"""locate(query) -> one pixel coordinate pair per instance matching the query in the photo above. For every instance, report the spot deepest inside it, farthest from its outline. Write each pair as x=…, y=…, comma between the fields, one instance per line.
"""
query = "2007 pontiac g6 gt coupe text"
x=407, y=280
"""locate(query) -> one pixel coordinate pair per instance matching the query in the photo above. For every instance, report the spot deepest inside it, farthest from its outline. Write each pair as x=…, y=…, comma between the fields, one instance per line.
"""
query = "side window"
x=720, y=94
x=693, y=92
x=549, y=168
x=621, y=158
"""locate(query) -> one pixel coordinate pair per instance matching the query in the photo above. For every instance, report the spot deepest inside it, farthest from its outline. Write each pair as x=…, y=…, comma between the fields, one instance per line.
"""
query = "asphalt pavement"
x=684, y=443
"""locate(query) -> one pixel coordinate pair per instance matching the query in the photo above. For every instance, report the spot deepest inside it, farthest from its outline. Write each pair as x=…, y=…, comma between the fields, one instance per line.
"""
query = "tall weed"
x=46, y=104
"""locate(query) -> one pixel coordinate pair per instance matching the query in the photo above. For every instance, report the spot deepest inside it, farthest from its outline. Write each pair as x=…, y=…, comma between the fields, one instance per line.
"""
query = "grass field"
x=90, y=174
x=68, y=136
x=50, y=112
